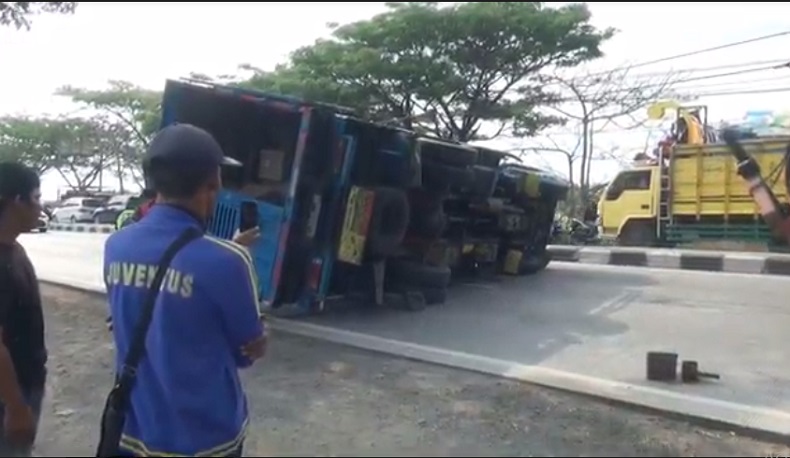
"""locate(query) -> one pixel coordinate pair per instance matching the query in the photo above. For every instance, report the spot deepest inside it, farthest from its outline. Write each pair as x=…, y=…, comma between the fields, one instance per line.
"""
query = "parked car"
x=77, y=210
x=43, y=220
x=108, y=213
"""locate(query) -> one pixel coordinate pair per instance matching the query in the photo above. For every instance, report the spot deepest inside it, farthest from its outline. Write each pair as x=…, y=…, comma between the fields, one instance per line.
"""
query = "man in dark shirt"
x=23, y=354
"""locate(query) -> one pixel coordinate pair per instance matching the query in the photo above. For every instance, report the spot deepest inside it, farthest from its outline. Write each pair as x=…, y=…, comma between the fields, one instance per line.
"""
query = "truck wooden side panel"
x=705, y=180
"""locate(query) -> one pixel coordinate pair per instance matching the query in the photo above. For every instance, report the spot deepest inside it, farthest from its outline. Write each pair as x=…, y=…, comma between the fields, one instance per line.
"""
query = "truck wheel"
x=388, y=221
x=638, y=234
x=430, y=224
x=414, y=301
x=419, y=275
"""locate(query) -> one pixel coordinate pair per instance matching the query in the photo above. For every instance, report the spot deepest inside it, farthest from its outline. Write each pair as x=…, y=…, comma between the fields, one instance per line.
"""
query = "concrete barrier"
x=88, y=228
x=663, y=258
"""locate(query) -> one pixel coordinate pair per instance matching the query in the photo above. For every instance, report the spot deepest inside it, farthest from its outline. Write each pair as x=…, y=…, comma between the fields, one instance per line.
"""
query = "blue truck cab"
x=313, y=171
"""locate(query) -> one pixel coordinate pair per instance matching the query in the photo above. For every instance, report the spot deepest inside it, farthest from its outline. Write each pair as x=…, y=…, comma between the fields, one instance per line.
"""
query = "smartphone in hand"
x=249, y=216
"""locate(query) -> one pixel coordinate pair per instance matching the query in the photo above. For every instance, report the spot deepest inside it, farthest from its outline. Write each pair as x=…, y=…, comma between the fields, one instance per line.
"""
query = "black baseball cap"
x=187, y=147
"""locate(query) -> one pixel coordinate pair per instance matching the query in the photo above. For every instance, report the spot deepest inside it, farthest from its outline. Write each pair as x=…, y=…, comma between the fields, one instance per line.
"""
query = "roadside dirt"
x=312, y=398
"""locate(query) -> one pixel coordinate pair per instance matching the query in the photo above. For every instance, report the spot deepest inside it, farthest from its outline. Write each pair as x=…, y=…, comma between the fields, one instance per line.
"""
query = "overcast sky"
x=148, y=42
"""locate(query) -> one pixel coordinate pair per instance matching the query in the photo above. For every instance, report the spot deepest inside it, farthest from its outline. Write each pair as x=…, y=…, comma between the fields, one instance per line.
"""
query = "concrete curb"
x=88, y=228
x=663, y=258
x=759, y=420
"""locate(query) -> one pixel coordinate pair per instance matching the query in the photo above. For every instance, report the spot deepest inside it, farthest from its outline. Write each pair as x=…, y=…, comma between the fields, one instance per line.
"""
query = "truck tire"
x=430, y=225
x=389, y=221
x=638, y=233
x=418, y=275
x=427, y=215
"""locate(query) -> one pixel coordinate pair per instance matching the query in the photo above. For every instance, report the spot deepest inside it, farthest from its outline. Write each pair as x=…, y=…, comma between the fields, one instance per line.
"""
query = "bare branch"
x=597, y=100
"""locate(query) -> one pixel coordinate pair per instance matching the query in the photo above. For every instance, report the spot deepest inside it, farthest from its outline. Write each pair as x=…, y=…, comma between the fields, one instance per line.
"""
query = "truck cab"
x=629, y=204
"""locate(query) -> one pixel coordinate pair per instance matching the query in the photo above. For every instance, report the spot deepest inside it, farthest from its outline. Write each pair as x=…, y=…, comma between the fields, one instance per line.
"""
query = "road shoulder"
x=312, y=398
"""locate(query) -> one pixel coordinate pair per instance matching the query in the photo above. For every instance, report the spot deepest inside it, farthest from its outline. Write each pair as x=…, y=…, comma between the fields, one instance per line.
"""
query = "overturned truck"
x=348, y=206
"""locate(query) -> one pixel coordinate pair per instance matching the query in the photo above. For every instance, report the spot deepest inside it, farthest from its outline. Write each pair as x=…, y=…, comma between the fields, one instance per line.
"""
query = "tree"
x=571, y=155
x=18, y=13
x=29, y=141
x=85, y=148
x=605, y=98
x=78, y=149
x=137, y=115
x=444, y=70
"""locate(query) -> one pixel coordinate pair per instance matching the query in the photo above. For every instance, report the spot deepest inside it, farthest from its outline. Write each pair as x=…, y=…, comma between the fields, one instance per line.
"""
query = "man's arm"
x=10, y=392
x=238, y=304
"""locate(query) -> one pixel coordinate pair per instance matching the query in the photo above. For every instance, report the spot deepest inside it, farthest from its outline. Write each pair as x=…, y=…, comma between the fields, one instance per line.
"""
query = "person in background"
x=136, y=209
x=149, y=199
x=188, y=399
x=23, y=353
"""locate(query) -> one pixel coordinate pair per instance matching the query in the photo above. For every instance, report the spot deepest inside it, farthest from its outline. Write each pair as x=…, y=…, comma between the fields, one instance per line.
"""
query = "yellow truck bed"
x=705, y=182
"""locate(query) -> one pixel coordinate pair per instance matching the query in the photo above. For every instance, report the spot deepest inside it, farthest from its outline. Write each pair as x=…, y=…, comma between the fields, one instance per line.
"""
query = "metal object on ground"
x=662, y=366
x=690, y=373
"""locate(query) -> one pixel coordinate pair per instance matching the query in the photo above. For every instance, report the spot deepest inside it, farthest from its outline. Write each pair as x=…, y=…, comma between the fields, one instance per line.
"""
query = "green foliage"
x=444, y=70
x=18, y=14
x=27, y=140
x=136, y=116
x=135, y=107
x=78, y=149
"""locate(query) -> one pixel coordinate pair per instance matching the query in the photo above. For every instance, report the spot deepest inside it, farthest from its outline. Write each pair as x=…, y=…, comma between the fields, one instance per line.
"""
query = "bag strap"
x=137, y=348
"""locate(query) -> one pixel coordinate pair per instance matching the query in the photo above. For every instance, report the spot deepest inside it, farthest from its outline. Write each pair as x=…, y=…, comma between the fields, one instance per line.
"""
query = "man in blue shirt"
x=188, y=399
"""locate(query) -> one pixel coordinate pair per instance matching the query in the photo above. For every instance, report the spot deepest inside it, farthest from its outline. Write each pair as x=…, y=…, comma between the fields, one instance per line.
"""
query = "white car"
x=76, y=210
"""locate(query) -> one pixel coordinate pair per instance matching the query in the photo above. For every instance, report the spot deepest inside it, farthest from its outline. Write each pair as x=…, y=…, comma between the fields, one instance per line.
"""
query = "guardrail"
x=77, y=227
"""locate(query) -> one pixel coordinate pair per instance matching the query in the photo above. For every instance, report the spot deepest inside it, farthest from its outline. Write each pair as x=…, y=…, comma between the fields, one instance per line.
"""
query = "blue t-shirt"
x=188, y=399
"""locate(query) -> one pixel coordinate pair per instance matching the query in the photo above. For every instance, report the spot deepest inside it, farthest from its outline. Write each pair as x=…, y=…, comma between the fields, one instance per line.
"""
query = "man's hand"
x=19, y=425
x=256, y=349
x=248, y=237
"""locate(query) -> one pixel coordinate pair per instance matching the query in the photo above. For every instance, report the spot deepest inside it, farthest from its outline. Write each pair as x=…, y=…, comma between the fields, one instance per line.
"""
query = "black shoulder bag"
x=117, y=405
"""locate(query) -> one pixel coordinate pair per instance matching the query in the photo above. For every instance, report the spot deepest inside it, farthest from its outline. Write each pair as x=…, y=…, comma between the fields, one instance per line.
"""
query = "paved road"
x=314, y=398
x=593, y=320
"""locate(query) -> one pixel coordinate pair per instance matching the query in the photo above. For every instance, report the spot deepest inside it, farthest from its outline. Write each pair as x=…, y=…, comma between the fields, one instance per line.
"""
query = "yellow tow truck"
x=690, y=190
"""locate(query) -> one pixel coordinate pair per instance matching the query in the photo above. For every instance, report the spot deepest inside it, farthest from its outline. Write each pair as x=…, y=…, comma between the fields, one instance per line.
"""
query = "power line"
x=738, y=82
x=702, y=95
x=708, y=77
x=713, y=67
x=697, y=52
x=766, y=64
x=668, y=83
x=774, y=90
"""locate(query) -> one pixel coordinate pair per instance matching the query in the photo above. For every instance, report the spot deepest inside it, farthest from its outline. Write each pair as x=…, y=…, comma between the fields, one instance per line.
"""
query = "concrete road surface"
x=313, y=398
x=593, y=320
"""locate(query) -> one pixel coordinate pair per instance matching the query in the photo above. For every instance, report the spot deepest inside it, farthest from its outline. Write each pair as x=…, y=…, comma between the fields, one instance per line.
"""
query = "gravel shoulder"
x=311, y=398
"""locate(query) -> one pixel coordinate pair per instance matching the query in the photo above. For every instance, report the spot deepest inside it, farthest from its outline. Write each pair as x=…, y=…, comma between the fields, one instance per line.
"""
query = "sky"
x=146, y=43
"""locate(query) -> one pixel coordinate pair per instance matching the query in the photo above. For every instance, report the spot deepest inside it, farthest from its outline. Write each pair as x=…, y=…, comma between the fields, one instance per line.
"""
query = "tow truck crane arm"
x=774, y=214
